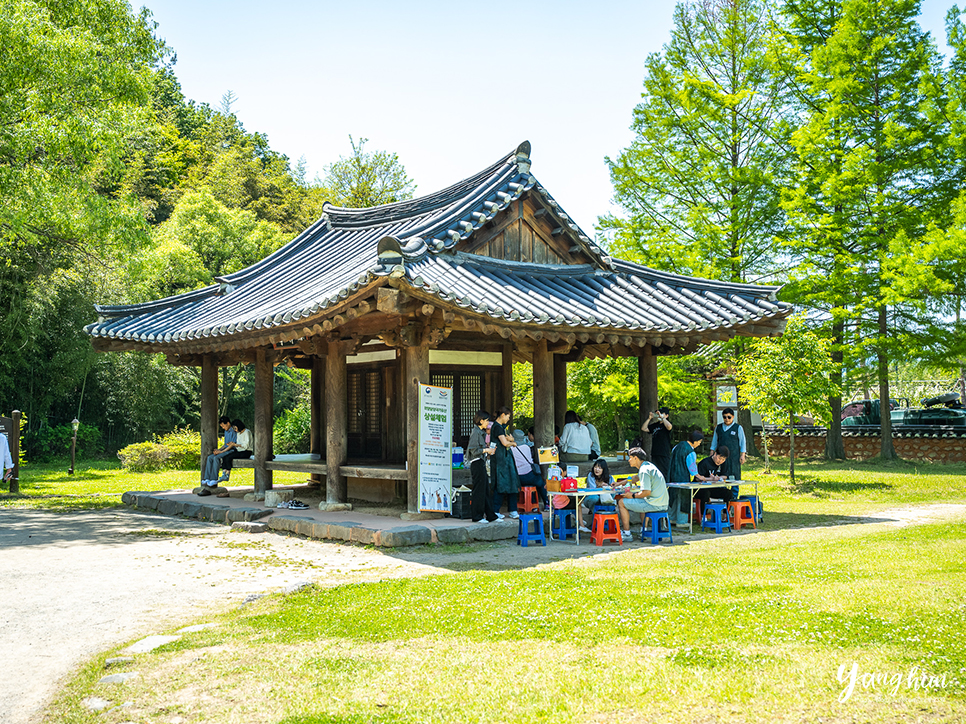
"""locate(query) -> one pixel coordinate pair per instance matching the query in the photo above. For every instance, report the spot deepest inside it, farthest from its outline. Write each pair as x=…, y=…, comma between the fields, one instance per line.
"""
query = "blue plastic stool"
x=525, y=536
x=605, y=509
x=559, y=526
x=719, y=517
x=656, y=533
x=755, y=506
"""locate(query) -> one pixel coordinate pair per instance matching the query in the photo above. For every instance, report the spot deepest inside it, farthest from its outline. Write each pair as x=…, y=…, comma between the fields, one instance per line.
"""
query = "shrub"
x=178, y=450
x=292, y=430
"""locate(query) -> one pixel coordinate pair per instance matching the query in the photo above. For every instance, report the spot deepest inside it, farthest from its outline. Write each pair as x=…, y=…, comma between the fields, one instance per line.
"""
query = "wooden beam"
x=336, y=440
x=647, y=390
x=559, y=389
x=543, y=414
x=506, y=375
x=316, y=408
x=417, y=373
x=264, y=404
x=209, y=407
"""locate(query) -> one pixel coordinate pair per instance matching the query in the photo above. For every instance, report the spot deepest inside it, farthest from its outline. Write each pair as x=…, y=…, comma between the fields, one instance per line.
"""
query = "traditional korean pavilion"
x=449, y=289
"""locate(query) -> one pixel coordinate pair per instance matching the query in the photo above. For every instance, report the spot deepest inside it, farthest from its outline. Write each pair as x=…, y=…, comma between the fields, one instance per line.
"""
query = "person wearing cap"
x=651, y=498
x=527, y=471
x=683, y=468
x=730, y=433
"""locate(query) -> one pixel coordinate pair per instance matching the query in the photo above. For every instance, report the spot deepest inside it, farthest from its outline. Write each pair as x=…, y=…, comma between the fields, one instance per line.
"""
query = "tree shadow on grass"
x=810, y=485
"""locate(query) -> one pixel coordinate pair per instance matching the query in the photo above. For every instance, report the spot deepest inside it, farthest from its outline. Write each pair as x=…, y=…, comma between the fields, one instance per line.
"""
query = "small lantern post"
x=75, y=423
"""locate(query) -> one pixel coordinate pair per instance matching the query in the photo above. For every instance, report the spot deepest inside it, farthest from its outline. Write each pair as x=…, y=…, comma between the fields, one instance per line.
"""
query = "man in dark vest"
x=730, y=434
x=683, y=468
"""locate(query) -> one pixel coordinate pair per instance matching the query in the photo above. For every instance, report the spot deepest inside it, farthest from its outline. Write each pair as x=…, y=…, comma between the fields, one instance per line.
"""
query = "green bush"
x=51, y=443
x=178, y=450
x=292, y=430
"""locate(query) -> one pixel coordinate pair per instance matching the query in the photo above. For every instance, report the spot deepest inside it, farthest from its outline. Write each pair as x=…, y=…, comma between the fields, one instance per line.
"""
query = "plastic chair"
x=529, y=502
x=756, y=506
x=606, y=527
x=741, y=514
x=563, y=523
x=656, y=533
x=526, y=535
x=719, y=517
x=696, y=511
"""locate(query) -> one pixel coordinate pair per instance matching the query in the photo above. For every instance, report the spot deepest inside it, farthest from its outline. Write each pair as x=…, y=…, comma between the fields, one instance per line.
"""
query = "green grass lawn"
x=751, y=628
x=100, y=484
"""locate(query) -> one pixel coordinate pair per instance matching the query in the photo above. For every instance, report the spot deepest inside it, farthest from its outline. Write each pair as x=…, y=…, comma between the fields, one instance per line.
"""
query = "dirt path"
x=76, y=584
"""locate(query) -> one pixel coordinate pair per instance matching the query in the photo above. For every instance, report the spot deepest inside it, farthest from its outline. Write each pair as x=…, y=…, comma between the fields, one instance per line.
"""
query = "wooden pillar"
x=336, y=440
x=559, y=389
x=209, y=407
x=316, y=406
x=417, y=373
x=507, y=378
x=647, y=389
x=13, y=440
x=543, y=394
x=264, y=405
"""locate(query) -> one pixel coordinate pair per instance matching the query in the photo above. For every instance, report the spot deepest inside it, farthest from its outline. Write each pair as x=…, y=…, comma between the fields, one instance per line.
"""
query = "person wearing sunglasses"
x=730, y=434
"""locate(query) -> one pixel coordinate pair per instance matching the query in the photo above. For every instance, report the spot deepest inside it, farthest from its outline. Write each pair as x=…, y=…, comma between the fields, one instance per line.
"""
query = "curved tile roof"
x=349, y=249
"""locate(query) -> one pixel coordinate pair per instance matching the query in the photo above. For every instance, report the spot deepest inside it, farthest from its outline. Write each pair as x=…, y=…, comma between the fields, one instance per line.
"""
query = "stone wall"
x=927, y=448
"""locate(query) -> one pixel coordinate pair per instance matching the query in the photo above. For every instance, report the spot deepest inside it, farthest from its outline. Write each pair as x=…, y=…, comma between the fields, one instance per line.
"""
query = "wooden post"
x=264, y=403
x=646, y=389
x=336, y=440
x=417, y=373
x=316, y=406
x=209, y=407
x=543, y=385
x=507, y=377
x=559, y=389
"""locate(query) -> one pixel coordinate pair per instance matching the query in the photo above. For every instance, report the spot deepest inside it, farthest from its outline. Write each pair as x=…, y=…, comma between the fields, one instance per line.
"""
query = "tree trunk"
x=764, y=448
x=791, y=447
x=834, y=446
x=744, y=419
x=888, y=450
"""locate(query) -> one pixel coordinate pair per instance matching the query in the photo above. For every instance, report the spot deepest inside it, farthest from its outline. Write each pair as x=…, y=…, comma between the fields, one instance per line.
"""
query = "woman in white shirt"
x=241, y=449
x=574, y=440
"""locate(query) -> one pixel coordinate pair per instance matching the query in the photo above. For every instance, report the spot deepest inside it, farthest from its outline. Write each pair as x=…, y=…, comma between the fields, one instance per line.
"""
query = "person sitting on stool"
x=651, y=498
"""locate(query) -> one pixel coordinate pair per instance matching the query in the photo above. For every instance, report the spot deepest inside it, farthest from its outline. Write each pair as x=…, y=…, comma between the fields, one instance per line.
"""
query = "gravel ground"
x=75, y=584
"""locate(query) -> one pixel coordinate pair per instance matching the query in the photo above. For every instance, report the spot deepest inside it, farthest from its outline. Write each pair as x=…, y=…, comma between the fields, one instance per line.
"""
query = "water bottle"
x=627, y=446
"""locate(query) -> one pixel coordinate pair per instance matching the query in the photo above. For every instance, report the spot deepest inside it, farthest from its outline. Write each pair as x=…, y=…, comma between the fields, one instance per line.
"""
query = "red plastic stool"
x=606, y=527
x=528, y=502
x=741, y=513
x=696, y=511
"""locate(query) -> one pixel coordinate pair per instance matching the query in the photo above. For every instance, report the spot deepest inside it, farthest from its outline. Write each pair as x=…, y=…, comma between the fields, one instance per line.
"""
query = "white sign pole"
x=435, y=453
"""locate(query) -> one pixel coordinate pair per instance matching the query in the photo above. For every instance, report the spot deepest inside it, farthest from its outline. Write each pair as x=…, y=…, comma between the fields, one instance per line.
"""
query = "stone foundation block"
x=167, y=506
x=500, y=530
x=274, y=497
x=147, y=501
x=453, y=535
x=362, y=534
x=407, y=535
x=190, y=510
x=249, y=527
x=342, y=531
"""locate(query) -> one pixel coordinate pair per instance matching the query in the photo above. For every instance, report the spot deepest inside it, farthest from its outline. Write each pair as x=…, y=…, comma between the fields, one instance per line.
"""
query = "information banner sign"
x=435, y=454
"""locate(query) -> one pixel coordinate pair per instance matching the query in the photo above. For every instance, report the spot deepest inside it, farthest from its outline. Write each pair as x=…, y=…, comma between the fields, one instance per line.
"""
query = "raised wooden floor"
x=307, y=463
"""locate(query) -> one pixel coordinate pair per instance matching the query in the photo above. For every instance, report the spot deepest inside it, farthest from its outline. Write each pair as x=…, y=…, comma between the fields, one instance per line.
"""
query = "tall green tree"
x=699, y=183
x=871, y=171
x=786, y=377
x=367, y=178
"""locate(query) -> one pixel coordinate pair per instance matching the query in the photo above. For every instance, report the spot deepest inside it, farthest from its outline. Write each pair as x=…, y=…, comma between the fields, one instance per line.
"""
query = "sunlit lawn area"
x=749, y=628
x=100, y=484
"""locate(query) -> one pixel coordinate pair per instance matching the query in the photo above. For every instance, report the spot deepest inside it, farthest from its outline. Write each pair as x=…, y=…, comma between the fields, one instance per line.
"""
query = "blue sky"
x=449, y=86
